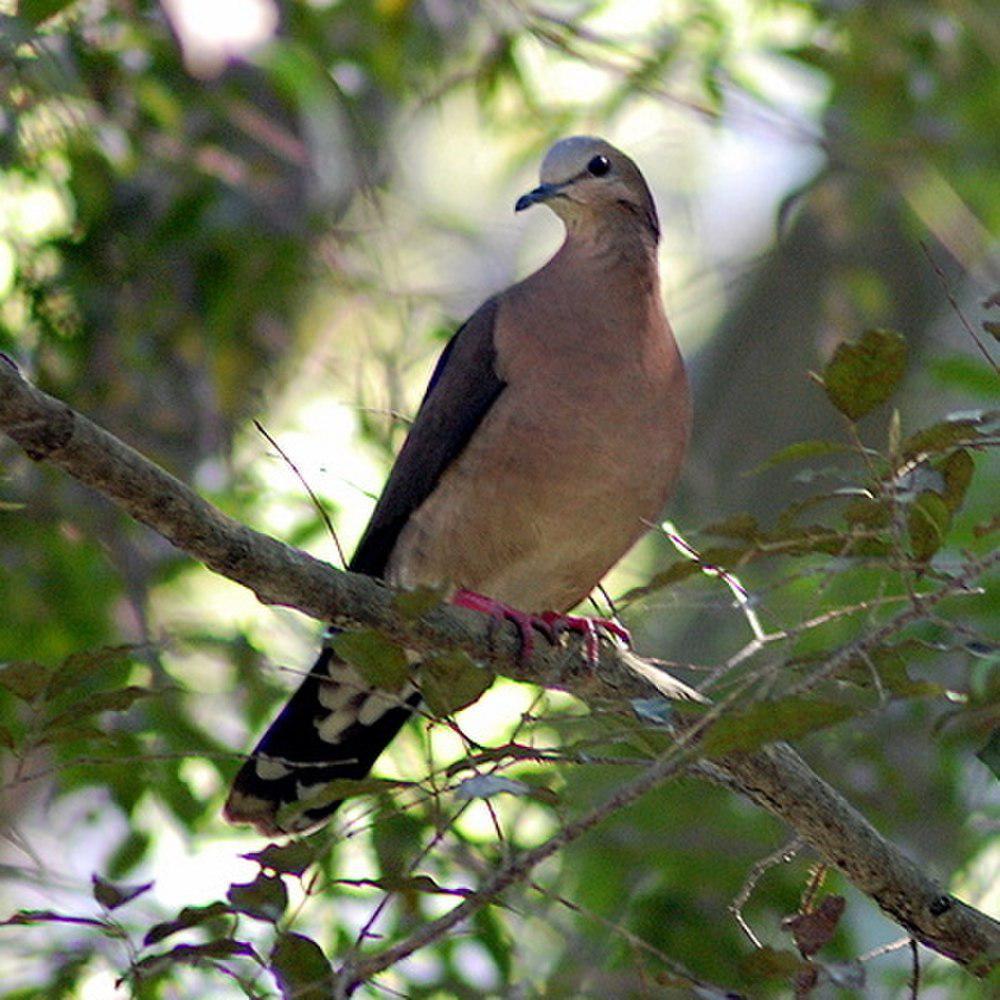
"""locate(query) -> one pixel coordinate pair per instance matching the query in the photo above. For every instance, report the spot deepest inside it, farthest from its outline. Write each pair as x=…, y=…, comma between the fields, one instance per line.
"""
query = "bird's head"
x=586, y=180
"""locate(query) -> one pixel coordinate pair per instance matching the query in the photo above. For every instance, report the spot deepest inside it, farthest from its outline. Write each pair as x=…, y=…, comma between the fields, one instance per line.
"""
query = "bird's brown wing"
x=463, y=388
x=336, y=724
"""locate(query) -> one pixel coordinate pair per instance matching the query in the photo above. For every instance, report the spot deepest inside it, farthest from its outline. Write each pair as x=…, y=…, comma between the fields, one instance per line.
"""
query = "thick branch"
x=775, y=777
x=279, y=574
x=780, y=781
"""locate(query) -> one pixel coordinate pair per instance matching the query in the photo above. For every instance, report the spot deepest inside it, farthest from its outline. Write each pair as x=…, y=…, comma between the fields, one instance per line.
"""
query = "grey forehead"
x=569, y=156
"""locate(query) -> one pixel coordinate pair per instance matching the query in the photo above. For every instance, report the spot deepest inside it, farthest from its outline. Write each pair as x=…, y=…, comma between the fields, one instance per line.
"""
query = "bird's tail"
x=335, y=726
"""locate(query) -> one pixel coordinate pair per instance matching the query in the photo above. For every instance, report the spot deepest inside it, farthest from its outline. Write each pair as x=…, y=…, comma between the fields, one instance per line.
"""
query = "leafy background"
x=280, y=214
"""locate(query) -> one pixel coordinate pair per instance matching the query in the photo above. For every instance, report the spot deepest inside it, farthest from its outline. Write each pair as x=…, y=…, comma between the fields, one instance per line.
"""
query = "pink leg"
x=588, y=628
x=504, y=612
x=550, y=623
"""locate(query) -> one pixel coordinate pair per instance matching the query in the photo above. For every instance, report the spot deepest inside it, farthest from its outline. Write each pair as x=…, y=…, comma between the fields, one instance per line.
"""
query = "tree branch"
x=775, y=777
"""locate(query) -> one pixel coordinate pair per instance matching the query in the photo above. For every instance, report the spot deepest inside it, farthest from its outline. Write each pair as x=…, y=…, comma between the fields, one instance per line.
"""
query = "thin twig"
x=317, y=503
x=637, y=943
x=960, y=584
x=885, y=949
x=781, y=856
x=946, y=287
x=731, y=580
x=816, y=878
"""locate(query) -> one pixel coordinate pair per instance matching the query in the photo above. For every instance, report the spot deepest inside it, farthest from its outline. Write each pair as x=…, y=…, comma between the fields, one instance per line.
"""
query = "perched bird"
x=550, y=434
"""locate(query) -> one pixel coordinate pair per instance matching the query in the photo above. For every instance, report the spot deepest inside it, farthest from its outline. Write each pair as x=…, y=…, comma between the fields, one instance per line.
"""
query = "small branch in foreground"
x=781, y=856
x=513, y=871
x=316, y=502
x=957, y=309
x=774, y=777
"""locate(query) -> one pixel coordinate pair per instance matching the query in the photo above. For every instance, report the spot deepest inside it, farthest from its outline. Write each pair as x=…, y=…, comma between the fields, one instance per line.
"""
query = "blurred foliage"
x=166, y=228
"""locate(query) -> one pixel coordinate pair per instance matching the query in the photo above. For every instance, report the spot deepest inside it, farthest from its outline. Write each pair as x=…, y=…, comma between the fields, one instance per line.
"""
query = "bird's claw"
x=589, y=628
x=526, y=623
x=550, y=623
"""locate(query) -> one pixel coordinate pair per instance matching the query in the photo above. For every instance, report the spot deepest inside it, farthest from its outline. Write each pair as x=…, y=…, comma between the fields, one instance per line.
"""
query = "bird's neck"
x=612, y=251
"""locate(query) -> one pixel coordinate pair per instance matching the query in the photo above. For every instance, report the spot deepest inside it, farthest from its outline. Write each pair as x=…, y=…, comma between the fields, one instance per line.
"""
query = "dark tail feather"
x=335, y=726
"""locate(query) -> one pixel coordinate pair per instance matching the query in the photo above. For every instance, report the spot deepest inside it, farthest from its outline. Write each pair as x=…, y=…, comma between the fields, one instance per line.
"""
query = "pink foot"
x=549, y=623
x=504, y=612
x=588, y=628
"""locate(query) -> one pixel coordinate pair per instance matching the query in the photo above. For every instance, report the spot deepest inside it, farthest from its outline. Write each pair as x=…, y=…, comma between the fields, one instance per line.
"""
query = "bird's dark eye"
x=599, y=166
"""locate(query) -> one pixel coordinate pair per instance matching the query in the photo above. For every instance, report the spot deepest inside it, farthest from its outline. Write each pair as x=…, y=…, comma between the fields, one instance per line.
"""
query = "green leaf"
x=989, y=527
x=88, y=662
x=111, y=896
x=492, y=935
x=292, y=858
x=300, y=73
x=67, y=732
x=411, y=884
x=766, y=721
x=190, y=916
x=379, y=660
x=162, y=105
x=23, y=917
x=451, y=681
x=396, y=837
x=989, y=753
x=25, y=679
x=959, y=429
x=869, y=513
x=195, y=954
x=102, y=701
x=741, y=526
x=265, y=898
x=971, y=375
x=129, y=852
x=928, y=521
x=300, y=968
x=491, y=755
x=956, y=471
x=864, y=373
x=414, y=603
x=804, y=540
x=674, y=573
x=771, y=963
x=37, y=11
x=891, y=664
x=895, y=432
x=798, y=451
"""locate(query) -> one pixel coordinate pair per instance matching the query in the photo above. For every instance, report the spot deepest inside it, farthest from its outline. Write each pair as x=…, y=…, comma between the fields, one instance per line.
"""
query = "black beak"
x=541, y=193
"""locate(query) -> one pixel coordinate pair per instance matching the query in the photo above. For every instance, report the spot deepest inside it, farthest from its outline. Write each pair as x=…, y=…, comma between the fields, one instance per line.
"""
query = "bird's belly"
x=535, y=515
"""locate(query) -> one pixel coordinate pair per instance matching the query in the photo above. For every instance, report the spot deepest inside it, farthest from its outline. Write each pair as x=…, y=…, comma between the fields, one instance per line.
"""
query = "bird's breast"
x=577, y=455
